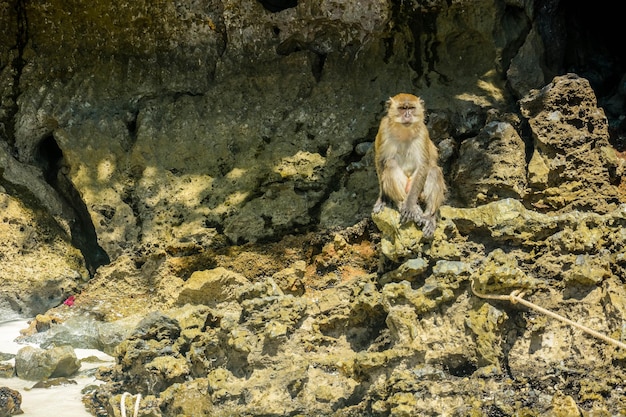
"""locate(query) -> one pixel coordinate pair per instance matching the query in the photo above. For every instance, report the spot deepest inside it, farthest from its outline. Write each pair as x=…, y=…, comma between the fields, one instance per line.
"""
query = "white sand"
x=61, y=401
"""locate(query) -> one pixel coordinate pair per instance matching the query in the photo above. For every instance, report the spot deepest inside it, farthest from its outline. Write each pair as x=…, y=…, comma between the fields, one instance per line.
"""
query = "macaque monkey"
x=407, y=164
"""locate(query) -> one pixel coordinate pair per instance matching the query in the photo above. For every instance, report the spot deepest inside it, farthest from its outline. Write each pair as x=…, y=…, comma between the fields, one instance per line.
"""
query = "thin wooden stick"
x=516, y=297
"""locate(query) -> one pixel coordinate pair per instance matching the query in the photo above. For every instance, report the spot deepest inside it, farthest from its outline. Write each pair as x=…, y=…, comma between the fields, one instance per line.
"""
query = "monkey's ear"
x=388, y=103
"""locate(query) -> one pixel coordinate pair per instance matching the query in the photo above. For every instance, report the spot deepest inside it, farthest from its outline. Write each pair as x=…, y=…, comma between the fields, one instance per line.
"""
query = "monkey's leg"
x=433, y=196
x=410, y=209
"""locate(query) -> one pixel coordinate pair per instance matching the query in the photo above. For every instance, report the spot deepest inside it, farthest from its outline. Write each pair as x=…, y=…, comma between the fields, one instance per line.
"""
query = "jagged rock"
x=355, y=199
x=84, y=332
x=525, y=72
x=53, y=382
x=41, y=323
x=113, y=333
x=7, y=370
x=18, y=175
x=10, y=402
x=149, y=360
x=563, y=406
x=549, y=345
x=78, y=332
x=499, y=272
x=570, y=167
x=491, y=166
x=35, y=364
x=189, y=398
x=412, y=313
x=290, y=279
x=408, y=271
x=158, y=327
x=398, y=241
x=212, y=287
x=486, y=322
x=509, y=221
x=588, y=269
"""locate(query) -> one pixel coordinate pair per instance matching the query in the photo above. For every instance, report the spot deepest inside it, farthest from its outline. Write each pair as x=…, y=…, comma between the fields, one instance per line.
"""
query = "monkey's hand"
x=411, y=213
x=379, y=206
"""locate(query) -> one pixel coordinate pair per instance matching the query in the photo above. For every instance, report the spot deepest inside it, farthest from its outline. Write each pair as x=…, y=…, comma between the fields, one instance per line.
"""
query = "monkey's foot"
x=379, y=206
x=414, y=214
x=429, y=223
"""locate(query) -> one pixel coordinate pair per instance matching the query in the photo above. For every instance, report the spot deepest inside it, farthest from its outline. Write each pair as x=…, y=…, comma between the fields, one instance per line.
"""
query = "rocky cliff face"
x=211, y=161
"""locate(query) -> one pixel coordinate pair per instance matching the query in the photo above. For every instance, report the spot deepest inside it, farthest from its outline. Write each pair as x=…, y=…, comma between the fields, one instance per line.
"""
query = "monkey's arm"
x=392, y=184
x=380, y=202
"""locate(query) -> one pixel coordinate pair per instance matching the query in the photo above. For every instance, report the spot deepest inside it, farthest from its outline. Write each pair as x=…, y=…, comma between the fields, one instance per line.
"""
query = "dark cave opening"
x=592, y=49
x=276, y=6
x=49, y=157
x=592, y=43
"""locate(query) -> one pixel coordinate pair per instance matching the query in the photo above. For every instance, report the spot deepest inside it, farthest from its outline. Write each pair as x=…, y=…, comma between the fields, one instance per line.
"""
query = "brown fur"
x=407, y=163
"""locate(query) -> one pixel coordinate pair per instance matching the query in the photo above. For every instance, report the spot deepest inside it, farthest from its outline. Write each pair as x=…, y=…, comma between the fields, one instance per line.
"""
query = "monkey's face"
x=406, y=109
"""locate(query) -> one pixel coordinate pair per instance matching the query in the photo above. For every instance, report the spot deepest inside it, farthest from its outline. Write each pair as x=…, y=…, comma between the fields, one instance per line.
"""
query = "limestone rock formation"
x=39, y=265
x=491, y=166
x=198, y=178
x=573, y=165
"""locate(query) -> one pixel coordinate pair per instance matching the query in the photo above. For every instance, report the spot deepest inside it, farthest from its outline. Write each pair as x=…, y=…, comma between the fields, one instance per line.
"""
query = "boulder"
x=35, y=364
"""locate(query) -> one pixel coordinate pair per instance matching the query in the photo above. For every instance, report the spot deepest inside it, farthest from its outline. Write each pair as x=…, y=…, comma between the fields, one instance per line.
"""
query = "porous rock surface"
x=199, y=176
x=10, y=402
